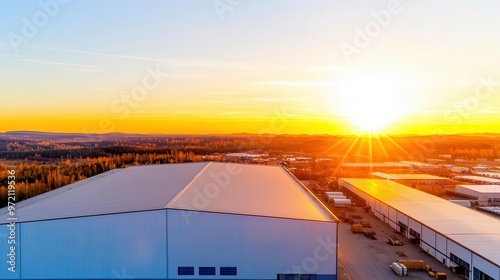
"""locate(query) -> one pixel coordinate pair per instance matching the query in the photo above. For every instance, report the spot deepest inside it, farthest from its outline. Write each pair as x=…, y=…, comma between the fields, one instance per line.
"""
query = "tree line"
x=34, y=178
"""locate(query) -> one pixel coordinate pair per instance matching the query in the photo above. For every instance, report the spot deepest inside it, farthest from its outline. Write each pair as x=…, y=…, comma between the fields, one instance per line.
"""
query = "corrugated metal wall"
x=259, y=247
x=441, y=250
x=486, y=266
x=134, y=245
x=110, y=246
x=393, y=217
x=428, y=242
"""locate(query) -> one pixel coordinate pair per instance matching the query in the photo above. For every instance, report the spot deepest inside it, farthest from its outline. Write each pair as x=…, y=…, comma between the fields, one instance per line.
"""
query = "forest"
x=47, y=161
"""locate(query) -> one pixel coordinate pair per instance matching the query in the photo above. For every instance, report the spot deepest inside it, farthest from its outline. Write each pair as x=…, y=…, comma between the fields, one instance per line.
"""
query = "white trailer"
x=334, y=193
x=465, y=203
x=341, y=202
x=399, y=269
x=331, y=198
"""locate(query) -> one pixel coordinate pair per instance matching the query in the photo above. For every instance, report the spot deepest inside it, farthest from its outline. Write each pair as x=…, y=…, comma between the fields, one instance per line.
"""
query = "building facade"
x=459, y=237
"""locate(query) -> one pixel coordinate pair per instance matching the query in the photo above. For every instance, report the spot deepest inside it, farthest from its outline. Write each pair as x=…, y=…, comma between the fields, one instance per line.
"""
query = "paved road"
x=365, y=259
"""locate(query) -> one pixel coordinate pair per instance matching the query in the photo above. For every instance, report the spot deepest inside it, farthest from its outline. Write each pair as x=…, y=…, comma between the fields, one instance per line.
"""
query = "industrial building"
x=412, y=178
x=483, y=194
x=488, y=174
x=478, y=180
x=459, y=237
x=175, y=221
x=367, y=165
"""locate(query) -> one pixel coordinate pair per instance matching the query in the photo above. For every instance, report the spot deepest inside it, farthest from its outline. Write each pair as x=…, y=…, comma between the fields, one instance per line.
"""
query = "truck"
x=399, y=269
x=357, y=228
x=441, y=276
x=413, y=264
x=370, y=234
x=366, y=223
x=341, y=202
x=331, y=198
x=394, y=241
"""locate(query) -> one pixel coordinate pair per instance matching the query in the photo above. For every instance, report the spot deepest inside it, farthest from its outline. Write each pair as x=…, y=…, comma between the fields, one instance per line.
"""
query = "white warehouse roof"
x=471, y=229
x=485, y=189
x=206, y=186
x=473, y=178
x=411, y=176
x=374, y=164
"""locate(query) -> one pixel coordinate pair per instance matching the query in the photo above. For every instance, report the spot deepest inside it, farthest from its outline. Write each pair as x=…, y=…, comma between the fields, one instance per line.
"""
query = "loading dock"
x=459, y=237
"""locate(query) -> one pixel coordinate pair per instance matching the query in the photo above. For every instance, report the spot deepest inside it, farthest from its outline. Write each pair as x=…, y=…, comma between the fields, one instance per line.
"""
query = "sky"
x=235, y=66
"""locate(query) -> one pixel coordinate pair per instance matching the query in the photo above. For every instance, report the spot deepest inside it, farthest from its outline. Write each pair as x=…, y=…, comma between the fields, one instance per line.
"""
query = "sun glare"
x=371, y=102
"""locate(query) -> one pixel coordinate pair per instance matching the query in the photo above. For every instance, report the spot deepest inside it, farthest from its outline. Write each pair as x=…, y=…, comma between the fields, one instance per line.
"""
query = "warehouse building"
x=478, y=180
x=412, y=178
x=483, y=194
x=488, y=174
x=174, y=221
x=368, y=165
x=457, y=236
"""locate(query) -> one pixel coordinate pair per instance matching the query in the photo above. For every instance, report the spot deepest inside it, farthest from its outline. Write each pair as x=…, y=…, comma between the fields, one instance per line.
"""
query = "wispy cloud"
x=105, y=90
x=294, y=83
x=72, y=66
x=326, y=68
x=176, y=62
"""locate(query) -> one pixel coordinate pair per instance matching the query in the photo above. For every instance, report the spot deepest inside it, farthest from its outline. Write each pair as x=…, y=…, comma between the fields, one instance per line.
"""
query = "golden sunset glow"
x=239, y=75
x=372, y=101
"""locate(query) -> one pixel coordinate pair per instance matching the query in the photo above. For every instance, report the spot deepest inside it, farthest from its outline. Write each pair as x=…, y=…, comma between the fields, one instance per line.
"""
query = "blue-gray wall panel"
x=111, y=246
x=259, y=247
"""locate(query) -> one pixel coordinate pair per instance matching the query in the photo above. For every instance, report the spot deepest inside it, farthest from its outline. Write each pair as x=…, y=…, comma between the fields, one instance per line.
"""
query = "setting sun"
x=372, y=101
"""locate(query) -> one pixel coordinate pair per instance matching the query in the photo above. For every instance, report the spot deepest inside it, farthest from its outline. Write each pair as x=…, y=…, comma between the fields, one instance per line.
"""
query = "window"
x=207, y=270
x=231, y=270
x=461, y=263
x=185, y=270
x=402, y=228
x=479, y=275
x=414, y=233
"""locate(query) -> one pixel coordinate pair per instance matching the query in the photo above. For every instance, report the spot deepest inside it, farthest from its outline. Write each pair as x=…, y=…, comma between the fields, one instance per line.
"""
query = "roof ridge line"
x=187, y=185
x=309, y=194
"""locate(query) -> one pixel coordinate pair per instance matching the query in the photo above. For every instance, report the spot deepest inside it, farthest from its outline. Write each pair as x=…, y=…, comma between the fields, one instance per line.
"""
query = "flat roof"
x=482, y=188
x=489, y=174
x=394, y=176
x=205, y=186
x=374, y=164
x=420, y=164
x=477, y=179
x=471, y=229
